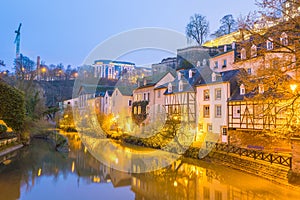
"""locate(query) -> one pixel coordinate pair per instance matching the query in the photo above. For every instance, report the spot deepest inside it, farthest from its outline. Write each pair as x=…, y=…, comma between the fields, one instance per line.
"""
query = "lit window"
x=135, y=110
x=206, y=111
x=218, y=93
x=206, y=95
x=218, y=111
x=270, y=44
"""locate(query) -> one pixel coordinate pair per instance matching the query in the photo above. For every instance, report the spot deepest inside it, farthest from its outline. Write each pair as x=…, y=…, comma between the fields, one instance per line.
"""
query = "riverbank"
x=278, y=173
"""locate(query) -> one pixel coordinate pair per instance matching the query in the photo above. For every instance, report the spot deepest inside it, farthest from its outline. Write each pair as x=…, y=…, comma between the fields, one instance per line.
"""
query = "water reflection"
x=38, y=172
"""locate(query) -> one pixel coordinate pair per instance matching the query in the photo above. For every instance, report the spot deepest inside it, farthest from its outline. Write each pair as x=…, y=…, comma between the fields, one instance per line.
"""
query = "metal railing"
x=255, y=154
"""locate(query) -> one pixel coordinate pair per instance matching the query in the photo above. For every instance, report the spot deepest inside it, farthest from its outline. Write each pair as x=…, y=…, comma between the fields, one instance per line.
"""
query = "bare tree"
x=198, y=28
x=273, y=39
x=228, y=25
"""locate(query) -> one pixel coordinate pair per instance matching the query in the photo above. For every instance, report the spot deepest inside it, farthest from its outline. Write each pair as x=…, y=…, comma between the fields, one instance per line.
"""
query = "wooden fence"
x=255, y=154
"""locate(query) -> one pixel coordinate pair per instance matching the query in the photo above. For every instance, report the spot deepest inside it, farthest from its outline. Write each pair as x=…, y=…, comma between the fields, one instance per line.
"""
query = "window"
x=139, y=111
x=129, y=103
x=209, y=128
x=206, y=111
x=204, y=62
x=218, y=93
x=249, y=70
x=284, y=39
x=224, y=131
x=243, y=54
x=169, y=88
x=148, y=98
x=158, y=93
x=261, y=89
x=206, y=95
x=206, y=193
x=190, y=73
x=144, y=96
x=253, y=51
x=200, y=127
x=135, y=110
x=218, y=195
x=242, y=89
x=270, y=44
x=218, y=111
x=213, y=76
x=180, y=86
x=216, y=64
x=116, y=92
x=236, y=112
x=224, y=63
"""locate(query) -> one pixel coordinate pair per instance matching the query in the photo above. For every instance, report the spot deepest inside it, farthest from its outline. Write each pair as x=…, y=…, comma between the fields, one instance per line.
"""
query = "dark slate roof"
x=126, y=90
x=109, y=92
x=152, y=80
x=222, y=53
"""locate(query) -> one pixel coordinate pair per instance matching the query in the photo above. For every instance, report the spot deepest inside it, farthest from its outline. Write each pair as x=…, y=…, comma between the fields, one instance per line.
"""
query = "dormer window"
x=190, y=73
x=204, y=62
x=180, y=86
x=213, y=77
x=225, y=48
x=261, y=89
x=242, y=89
x=243, y=54
x=284, y=39
x=270, y=44
x=179, y=75
x=198, y=63
x=233, y=45
x=169, y=88
x=253, y=51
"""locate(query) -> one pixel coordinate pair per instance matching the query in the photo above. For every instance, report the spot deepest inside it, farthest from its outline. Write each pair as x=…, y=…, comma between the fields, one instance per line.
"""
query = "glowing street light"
x=293, y=87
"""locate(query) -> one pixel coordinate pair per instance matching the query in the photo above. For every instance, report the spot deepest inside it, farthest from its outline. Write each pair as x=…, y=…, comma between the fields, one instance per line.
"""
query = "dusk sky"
x=65, y=31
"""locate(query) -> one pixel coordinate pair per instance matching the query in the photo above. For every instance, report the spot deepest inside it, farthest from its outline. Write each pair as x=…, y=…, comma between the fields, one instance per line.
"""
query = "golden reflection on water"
x=184, y=179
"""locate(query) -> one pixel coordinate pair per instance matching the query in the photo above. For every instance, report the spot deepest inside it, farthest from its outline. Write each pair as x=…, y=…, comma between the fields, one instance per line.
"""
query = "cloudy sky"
x=66, y=31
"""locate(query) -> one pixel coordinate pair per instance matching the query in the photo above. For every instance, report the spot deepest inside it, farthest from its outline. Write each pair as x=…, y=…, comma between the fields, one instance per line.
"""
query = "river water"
x=38, y=172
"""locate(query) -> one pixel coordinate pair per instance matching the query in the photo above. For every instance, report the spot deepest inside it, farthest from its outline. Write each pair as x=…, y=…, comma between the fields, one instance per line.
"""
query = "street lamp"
x=293, y=87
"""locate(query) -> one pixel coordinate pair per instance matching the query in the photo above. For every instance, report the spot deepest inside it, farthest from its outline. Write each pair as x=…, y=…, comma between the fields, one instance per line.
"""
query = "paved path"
x=11, y=149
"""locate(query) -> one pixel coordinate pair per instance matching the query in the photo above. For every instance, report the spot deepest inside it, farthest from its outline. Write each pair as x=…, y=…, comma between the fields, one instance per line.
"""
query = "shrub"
x=3, y=128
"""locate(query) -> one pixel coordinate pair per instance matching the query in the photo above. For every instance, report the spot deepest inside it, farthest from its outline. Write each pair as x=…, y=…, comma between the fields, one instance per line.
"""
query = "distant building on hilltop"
x=112, y=69
x=165, y=65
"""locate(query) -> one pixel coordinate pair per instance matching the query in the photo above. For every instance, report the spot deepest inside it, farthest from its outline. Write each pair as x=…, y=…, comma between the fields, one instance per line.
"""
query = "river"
x=39, y=172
